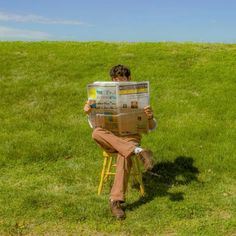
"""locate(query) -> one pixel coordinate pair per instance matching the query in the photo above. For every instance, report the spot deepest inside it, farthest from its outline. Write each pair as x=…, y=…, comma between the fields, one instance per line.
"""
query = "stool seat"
x=108, y=167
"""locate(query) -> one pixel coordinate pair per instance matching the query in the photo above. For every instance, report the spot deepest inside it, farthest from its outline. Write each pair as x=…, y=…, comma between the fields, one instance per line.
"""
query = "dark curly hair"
x=120, y=70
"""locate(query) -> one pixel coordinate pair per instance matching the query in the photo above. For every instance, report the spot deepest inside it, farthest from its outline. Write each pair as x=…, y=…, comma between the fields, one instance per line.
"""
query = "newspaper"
x=118, y=106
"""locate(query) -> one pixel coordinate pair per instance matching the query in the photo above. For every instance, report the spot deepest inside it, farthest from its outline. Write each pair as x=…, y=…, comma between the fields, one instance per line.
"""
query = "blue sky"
x=124, y=20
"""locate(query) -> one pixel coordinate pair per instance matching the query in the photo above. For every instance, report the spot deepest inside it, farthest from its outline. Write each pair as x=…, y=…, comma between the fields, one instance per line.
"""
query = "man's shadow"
x=165, y=175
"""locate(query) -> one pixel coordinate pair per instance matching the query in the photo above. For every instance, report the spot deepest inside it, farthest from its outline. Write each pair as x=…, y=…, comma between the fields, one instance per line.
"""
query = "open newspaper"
x=118, y=106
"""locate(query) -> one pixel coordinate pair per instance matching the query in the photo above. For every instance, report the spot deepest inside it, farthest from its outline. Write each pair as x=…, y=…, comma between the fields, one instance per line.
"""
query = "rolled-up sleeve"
x=150, y=130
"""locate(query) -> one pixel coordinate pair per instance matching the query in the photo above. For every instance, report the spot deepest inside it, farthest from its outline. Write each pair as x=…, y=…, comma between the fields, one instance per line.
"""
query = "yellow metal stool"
x=106, y=171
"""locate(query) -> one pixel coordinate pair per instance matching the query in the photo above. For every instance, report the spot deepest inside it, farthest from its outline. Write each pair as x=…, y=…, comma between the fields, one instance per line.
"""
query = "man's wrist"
x=151, y=118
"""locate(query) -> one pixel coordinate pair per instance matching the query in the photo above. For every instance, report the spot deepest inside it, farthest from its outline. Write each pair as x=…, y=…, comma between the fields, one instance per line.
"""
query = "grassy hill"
x=50, y=166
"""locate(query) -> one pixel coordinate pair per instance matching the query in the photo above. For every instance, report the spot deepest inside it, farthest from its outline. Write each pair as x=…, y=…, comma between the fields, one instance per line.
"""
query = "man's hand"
x=87, y=107
x=149, y=113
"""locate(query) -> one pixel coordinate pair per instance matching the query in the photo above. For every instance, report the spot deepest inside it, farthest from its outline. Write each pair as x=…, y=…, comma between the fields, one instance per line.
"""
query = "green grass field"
x=50, y=166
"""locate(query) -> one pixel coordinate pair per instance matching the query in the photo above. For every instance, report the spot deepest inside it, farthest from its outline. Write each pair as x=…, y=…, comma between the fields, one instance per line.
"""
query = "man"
x=125, y=146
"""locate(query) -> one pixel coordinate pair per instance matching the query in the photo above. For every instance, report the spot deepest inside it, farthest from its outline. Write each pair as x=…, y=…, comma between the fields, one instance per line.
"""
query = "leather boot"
x=116, y=209
x=146, y=157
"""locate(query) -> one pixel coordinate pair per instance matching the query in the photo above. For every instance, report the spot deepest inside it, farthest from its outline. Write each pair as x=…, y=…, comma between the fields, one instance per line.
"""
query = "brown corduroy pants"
x=124, y=146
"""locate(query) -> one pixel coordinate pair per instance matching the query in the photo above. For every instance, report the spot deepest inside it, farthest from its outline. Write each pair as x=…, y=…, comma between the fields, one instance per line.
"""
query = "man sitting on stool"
x=125, y=146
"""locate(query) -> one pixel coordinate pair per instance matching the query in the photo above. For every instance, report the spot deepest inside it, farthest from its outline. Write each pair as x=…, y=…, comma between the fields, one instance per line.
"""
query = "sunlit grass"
x=50, y=166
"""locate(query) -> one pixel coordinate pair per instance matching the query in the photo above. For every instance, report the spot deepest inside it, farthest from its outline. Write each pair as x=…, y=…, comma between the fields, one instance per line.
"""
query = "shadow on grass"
x=165, y=175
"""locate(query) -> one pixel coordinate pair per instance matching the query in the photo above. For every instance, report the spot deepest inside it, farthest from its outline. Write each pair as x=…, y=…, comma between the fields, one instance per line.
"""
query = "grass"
x=50, y=166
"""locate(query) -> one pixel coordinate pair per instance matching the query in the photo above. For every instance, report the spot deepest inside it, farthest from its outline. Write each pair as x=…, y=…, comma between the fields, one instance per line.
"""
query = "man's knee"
x=97, y=133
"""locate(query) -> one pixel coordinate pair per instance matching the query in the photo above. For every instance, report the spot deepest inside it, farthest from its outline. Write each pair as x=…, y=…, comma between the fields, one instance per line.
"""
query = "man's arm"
x=87, y=107
x=87, y=110
x=151, y=121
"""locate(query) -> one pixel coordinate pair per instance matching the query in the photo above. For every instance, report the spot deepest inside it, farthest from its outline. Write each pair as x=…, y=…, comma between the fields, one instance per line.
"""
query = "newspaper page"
x=118, y=106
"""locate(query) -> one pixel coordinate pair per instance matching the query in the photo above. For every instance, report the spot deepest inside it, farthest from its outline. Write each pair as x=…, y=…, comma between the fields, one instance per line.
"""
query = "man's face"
x=121, y=79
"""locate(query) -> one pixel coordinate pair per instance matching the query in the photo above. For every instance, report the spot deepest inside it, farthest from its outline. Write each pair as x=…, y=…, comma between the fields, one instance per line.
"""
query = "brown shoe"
x=116, y=210
x=146, y=158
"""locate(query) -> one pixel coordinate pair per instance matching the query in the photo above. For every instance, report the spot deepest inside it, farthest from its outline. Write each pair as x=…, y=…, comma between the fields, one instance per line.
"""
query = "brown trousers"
x=124, y=146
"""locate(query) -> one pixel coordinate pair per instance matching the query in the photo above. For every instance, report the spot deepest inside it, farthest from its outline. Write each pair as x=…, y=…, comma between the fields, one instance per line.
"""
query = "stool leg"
x=102, y=175
x=108, y=170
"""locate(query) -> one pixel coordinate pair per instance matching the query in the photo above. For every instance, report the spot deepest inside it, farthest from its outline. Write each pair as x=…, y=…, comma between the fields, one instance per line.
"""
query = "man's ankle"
x=137, y=150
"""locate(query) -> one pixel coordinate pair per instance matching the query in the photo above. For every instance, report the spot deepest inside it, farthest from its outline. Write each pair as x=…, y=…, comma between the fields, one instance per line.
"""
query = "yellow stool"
x=106, y=171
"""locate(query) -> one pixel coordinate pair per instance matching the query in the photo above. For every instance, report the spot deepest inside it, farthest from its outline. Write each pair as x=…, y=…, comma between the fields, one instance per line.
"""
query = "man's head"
x=120, y=73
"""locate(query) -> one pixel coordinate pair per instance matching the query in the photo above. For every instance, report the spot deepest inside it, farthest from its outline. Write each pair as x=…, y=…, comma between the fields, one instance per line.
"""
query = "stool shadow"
x=165, y=175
